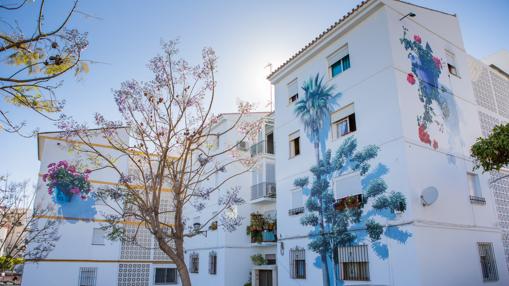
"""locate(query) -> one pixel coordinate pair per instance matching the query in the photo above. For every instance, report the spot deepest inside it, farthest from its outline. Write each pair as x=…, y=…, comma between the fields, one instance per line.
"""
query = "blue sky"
x=246, y=35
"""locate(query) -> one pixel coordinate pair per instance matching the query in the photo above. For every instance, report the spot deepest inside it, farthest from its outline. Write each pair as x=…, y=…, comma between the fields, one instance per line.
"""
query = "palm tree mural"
x=313, y=110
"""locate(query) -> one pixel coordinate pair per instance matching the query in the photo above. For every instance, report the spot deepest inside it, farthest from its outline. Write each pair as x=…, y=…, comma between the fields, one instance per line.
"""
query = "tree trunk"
x=323, y=256
x=185, y=280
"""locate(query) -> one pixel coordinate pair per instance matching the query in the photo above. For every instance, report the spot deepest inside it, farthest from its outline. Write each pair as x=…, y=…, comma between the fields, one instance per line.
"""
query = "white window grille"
x=88, y=276
x=298, y=263
x=194, y=262
x=354, y=262
x=488, y=263
x=212, y=262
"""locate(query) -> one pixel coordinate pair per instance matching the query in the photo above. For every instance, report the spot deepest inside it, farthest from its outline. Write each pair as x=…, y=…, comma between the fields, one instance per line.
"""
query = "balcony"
x=262, y=230
x=262, y=148
x=477, y=200
x=263, y=193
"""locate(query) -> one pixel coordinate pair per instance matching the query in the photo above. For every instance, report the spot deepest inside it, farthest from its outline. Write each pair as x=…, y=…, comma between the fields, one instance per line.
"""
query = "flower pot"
x=268, y=236
x=62, y=194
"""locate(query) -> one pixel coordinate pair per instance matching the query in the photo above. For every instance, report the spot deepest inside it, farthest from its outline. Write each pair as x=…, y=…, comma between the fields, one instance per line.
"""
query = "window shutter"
x=98, y=236
x=355, y=253
x=347, y=185
x=88, y=276
x=342, y=113
x=337, y=55
x=293, y=88
x=297, y=200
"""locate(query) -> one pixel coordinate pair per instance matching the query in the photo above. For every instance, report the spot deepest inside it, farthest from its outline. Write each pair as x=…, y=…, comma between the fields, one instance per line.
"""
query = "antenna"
x=269, y=65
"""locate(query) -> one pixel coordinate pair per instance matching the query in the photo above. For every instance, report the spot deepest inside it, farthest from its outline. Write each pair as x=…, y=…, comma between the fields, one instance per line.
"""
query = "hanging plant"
x=65, y=180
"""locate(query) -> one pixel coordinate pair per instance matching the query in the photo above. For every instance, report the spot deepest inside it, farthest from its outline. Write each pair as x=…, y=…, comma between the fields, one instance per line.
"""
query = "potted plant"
x=258, y=259
x=65, y=180
x=213, y=225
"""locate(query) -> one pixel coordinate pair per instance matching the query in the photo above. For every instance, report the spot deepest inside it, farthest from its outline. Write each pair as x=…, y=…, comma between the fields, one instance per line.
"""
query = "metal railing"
x=296, y=211
x=477, y=200
x=261, y=148
x=263, y=190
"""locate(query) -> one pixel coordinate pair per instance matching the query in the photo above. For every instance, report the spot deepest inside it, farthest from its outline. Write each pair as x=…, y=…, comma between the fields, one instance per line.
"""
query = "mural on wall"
x=70, y=189
x=439, y=108
x=352, y=219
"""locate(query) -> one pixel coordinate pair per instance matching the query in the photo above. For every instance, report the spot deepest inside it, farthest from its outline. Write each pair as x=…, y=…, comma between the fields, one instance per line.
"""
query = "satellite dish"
x=429, y=195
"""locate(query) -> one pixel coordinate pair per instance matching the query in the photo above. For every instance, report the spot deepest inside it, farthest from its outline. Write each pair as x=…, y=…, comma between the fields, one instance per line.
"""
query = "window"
x=451, y=63
x=339, y=61
x=270, y=259
x=354, y=262
x=343, y=121
x=474, y=189
x=488, y=263
x=298, y=263
x=297, y=203
x=165, y=276
x=88, y=276
x=212, y=262
x=294, y=144
x=194, y=262
x=98, y=236
x=293, y=91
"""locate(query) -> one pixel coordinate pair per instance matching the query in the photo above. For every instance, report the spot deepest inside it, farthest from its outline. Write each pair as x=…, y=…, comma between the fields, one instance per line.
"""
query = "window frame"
x=492, y=267
x=165, y=276
x=94, y=242
x=452, y=66
x=194, y=262
x=359, y=261
x=212, y=263
x=293, y=96
x=294, y=145
x=295, y=261
x=93, y=278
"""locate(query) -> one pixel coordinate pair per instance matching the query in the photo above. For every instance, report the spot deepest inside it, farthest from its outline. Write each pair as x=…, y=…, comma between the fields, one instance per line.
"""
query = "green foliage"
x=376, y=187
x=258, y=259
x=374, y=230
x=8, y=263
x=492, y=153
x=397, y=202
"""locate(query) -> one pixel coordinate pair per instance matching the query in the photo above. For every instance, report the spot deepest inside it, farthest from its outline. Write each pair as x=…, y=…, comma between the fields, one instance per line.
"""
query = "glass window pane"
x=346, y=62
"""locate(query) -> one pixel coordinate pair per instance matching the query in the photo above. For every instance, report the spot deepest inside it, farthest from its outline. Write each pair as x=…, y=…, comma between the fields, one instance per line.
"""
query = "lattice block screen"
x=487, y=123
x=133, y=274
x=501, y=90
x=482, y=85
x=501, y=194
x=141, y=249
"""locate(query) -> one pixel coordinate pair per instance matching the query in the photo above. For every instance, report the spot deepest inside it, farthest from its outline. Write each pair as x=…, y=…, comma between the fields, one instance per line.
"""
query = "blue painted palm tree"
x=313, y=110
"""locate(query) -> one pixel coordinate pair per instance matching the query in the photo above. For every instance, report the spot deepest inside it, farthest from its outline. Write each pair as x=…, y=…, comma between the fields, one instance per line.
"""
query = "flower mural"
x=435, y=97
x=65, y=180
x=333, y=221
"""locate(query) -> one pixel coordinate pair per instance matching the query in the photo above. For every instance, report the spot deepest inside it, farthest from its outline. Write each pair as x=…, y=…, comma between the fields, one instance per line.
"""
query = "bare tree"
x=170, y=127
x=23, y=235
x=33, y=62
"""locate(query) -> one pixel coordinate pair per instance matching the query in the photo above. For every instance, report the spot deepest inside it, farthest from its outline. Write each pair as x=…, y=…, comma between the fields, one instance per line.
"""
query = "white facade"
x=233, y=249
x=437, y=244
x=80, y=257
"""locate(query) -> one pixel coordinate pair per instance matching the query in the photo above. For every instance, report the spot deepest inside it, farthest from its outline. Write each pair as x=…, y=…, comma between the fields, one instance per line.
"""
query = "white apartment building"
x=407, y=87
x=222, y=257
x=83, y=255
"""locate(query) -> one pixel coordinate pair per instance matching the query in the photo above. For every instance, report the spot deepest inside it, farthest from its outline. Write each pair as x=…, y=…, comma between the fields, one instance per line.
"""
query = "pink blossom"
x=72, y=169
x=50, y=190
x=424, y=135
x=83, y=197
x=418, y=39
x=75, y=190
x=410, y=78
x=51, y=165
x=44, y=177
x=435, y=144
x=438, y=62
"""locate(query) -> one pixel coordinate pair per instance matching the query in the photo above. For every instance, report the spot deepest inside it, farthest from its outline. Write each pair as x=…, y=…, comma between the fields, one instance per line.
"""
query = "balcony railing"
x=263, y=190
x=261, y=148
x=477, y=200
